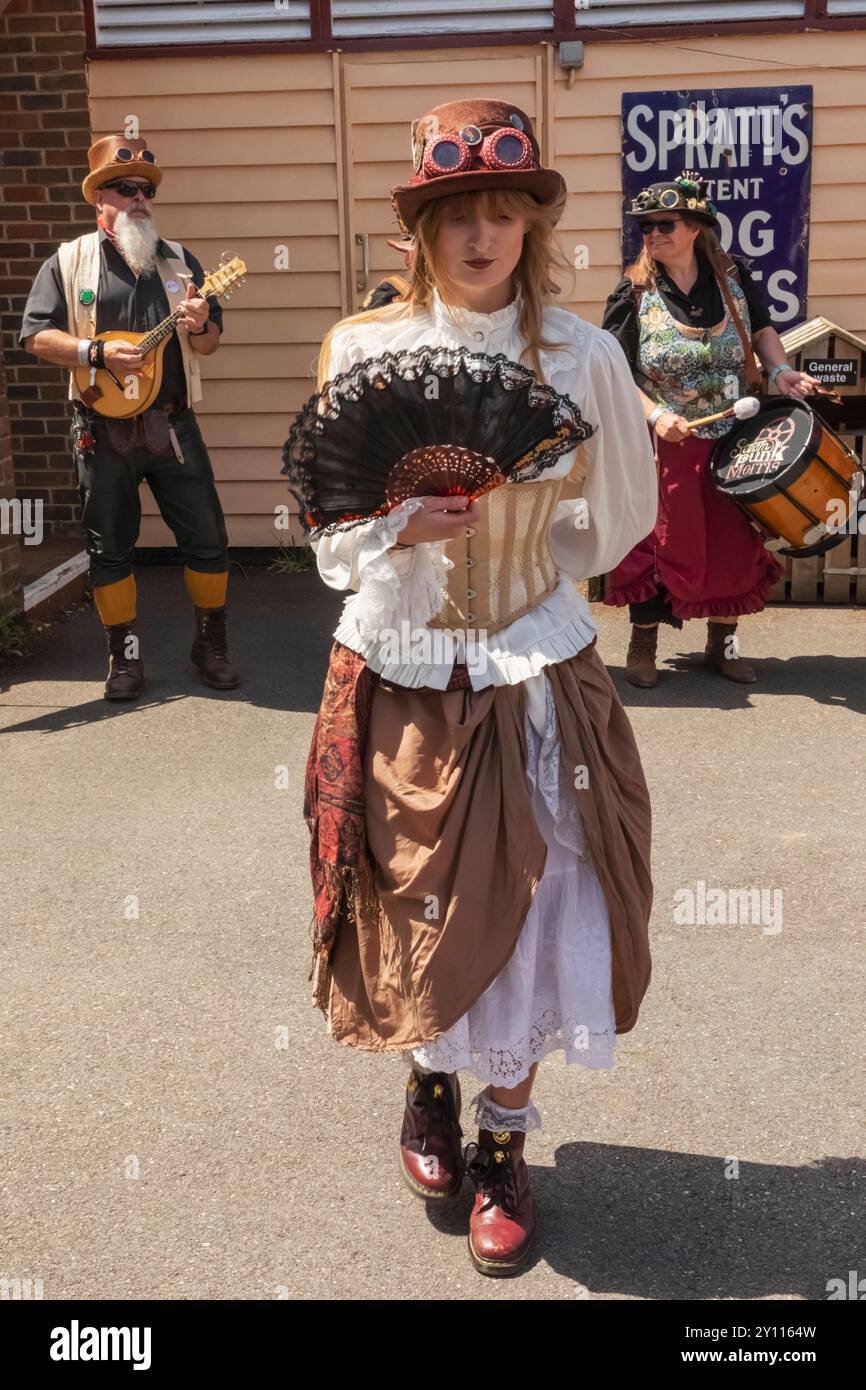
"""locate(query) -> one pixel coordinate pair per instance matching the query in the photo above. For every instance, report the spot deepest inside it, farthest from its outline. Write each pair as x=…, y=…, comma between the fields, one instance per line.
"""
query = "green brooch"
x=87, y=296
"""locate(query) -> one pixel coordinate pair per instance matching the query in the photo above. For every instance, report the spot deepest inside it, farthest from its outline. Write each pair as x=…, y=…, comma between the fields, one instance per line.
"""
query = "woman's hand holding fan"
x=442, y=424
x=438, y=519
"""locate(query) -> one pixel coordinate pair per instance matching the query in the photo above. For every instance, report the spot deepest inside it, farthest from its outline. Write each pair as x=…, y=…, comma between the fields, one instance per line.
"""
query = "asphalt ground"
x=176, y=1122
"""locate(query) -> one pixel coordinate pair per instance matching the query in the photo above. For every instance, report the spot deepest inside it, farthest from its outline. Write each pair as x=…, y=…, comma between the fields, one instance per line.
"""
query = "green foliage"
x=290, y=559
x=11, y=636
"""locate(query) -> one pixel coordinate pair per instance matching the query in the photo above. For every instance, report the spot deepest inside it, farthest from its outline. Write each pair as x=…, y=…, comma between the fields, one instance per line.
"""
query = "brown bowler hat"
x=114, y=156
x=465, y=146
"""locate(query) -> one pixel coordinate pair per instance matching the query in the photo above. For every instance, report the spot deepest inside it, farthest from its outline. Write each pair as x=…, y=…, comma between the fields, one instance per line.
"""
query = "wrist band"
x=782, y=367
x=83, y=351
x=96, y=353
x=200, y=331
x=655, y=415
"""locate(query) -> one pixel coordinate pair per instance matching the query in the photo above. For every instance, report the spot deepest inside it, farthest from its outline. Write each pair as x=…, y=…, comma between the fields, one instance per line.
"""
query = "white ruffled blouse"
x=589, y=535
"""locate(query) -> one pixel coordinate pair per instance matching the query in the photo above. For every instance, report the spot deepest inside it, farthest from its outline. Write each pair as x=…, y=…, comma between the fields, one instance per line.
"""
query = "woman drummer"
x=503, y=806
x=688, y=318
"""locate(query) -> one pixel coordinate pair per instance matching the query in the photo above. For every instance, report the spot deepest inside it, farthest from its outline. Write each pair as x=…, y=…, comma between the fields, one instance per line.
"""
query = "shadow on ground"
x=646, y=1223
x=280, y=630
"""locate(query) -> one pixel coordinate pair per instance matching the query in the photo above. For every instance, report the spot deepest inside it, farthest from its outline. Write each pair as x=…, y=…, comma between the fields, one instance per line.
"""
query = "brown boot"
x=430, y=1157
x=125, y=672
x=210, y=650
x=502, y=1224
x=716, y=654
x=640, y=661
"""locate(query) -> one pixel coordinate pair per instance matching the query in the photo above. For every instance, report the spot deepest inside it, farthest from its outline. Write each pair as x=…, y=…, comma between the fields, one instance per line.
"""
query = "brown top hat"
x=113, y=157
x=465, y=146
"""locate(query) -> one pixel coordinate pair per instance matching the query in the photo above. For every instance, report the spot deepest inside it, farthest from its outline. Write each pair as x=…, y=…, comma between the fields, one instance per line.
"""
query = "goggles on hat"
x=124, y=154
x=503, y=149
x=129, y=189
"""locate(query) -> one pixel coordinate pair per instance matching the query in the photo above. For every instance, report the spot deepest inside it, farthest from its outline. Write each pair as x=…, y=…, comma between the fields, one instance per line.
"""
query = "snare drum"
x=793, y=476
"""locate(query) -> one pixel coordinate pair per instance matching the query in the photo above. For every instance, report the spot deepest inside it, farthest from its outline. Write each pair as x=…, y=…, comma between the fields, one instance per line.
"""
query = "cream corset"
x=503, y=567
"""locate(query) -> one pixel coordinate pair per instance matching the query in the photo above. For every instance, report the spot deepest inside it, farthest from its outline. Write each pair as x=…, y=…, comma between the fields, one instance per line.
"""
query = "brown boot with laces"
x=722, y=655
x=431, y=1160
x=210, y=649
x=640, y=661
x=502, y=1224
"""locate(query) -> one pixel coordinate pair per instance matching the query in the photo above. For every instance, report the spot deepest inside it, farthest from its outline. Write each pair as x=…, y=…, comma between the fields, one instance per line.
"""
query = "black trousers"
x=185, y=493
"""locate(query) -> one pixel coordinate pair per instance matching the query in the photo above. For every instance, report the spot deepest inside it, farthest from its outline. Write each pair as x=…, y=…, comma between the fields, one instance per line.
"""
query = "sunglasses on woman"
x=129, y=189
x=665, y=225
x=503, y=149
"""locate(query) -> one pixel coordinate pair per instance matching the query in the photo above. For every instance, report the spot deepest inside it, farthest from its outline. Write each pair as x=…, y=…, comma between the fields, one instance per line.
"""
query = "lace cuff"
x=489, y=1115
x=386, y=597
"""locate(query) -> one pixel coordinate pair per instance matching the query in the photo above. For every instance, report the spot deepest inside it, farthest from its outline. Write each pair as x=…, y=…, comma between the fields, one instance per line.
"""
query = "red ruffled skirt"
x=703, y=551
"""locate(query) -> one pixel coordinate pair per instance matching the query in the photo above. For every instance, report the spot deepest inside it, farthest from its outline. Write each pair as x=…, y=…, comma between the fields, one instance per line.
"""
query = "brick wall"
x=46, y=125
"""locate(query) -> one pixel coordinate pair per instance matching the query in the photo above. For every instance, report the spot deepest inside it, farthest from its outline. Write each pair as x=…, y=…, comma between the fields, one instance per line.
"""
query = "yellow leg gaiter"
x=206, y=590
x=115, y=603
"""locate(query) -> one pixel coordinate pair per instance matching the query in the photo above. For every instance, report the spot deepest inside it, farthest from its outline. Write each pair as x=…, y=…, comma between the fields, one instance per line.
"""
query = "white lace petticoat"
x=555, y=992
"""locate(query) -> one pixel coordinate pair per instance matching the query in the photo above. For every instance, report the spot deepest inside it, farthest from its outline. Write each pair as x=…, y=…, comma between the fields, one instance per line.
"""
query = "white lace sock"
x=489, y=1115
x=416, y=1066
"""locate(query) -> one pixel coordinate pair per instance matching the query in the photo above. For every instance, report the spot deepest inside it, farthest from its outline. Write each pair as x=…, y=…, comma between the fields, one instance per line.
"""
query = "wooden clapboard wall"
x=251, y=157
x=302, y=150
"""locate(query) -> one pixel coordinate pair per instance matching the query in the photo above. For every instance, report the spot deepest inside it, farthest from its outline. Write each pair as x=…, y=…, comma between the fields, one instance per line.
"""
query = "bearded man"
x=126, y=277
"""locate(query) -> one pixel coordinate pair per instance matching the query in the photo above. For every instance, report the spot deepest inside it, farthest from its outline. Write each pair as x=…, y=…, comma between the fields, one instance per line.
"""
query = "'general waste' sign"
x=753, y=145
x=841, y=371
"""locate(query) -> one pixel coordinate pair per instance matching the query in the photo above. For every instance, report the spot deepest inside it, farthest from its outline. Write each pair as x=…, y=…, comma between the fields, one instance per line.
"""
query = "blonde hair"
x=533, y=274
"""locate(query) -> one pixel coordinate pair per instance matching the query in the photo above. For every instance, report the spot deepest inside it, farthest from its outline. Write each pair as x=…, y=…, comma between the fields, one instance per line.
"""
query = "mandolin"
x=121, y=398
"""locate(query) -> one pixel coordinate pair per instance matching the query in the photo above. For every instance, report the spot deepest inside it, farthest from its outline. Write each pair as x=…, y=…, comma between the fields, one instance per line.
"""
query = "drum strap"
x=753, y=374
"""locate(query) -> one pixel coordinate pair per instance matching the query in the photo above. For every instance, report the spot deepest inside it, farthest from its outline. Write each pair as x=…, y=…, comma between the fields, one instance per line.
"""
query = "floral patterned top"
x=694, y=371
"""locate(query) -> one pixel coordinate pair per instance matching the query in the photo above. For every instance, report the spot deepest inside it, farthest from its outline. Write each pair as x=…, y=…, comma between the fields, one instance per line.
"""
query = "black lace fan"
x=429, y=421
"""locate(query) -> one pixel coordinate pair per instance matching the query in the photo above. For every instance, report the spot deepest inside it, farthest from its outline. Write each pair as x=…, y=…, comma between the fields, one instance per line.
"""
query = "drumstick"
x=744, y=409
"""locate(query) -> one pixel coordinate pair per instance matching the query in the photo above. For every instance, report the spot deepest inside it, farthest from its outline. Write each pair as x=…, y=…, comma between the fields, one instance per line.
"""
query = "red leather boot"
x=502, y=1224
x=431, y=1160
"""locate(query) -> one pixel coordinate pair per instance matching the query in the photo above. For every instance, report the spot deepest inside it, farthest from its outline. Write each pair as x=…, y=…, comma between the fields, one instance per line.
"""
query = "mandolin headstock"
x=225, y=279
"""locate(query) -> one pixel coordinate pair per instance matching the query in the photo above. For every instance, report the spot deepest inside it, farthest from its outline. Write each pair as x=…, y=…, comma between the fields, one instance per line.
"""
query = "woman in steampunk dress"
x=480, y=828
x=690, y=319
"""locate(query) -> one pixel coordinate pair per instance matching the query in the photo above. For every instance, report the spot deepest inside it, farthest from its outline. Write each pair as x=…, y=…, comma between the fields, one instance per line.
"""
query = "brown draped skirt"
x=456, y=853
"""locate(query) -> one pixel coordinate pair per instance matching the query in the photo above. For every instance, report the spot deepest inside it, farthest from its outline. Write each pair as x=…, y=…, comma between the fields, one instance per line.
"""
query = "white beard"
x=137, y=241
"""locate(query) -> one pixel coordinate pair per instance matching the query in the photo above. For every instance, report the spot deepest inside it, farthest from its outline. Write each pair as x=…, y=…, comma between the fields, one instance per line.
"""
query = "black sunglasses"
x=664, y=224
x=129, y=189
